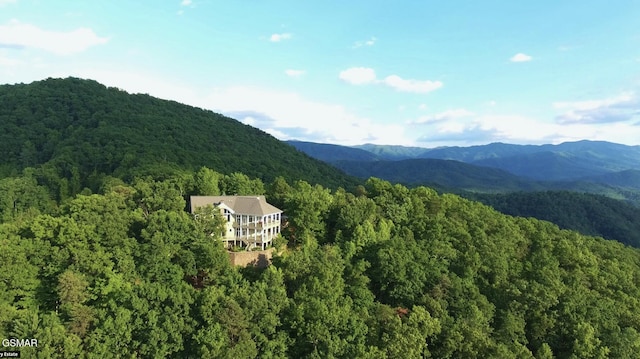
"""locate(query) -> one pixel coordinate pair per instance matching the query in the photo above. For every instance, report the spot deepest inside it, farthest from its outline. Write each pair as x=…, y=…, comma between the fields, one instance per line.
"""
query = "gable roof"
x=253, y=205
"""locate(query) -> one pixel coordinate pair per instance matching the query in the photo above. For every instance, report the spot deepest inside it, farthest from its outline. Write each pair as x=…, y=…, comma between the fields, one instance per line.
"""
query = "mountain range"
x=586, y=166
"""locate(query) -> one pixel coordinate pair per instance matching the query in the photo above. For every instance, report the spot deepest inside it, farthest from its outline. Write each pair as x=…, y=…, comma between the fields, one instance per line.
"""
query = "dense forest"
x=606, y=205
x=101, y=260
x=586, y=213
x=442, y=173
x=80, y=130
x=383, y=272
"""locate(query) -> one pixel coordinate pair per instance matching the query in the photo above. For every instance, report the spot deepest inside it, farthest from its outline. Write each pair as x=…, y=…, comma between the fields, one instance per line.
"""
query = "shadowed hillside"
x=332, y=153
x=439, y=173
x=586, y=213
x=79, y=127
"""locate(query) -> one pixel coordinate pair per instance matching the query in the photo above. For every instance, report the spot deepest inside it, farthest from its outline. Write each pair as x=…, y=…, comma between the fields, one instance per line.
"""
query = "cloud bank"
x=358, y=75
x=520, y=57
x=365, y=76
x=23, y=36
x=280, y=37
x=442, y=116
x=621, y=108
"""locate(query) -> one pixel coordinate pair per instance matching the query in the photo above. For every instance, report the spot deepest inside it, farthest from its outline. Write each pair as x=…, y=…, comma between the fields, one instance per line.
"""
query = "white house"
x=250, y=221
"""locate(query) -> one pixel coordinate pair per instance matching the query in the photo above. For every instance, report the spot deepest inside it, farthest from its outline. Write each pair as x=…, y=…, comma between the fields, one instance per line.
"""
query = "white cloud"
x=483, y=129
x=278, y=134
x=19, y=35
x=370, y=42
x=366, y=75
x=184, y=3
x=520, y=57
x=280, y=37
x=409, y=85
x=518, y=129
x=6, y=2
x=625, y=97
x=358, y=75
x=294, y=73
x=288, y=115
x=460, y=134
x=620, y=108
x=8, y=62
x=462, y=128
x=248, y=121
x=443, y=116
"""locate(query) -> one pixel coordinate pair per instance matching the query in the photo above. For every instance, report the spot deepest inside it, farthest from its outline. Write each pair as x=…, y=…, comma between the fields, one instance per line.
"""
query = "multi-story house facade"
x=250, y=221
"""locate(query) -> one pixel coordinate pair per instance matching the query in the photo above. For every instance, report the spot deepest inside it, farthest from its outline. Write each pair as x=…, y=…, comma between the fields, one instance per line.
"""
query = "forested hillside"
x=586, y=213
x=332, y=153
x=629, y=179
x=393, y=152
x=79, y=130
x=101, y=260
x=449, y=174
x=385, y=272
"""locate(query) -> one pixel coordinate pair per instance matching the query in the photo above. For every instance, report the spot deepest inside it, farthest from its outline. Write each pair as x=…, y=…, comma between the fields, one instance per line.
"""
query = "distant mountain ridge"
x=568, y=160
x=582, y=173
x=586, y=166
x=491, y=150
x=393, y=152
x=332, y=153
x=449, y=174
x=625, y=179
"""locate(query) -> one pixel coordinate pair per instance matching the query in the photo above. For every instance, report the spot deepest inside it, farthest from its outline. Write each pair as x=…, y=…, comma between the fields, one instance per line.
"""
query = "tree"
x=587, y=344
x=240, y=184
x=207, y=182
x=277, y=191
x=152, y=196
x=321, y=318
x=306, y=207
x=405, y=332
x=22, y=196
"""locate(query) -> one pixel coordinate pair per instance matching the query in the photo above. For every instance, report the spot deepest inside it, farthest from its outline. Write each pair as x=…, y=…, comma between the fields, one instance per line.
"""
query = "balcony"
x=257, y=225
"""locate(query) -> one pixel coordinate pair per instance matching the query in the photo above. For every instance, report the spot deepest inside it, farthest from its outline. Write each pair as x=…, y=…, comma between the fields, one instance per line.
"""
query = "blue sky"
x=421, y=73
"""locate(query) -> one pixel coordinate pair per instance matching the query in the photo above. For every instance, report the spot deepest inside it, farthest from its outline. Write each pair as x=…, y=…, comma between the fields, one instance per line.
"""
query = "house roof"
x=253, y=205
